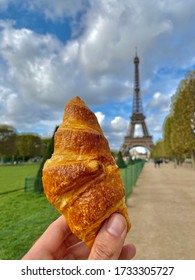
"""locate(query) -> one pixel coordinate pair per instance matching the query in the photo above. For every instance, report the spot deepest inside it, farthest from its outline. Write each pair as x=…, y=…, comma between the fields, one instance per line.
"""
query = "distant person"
x=157, y=162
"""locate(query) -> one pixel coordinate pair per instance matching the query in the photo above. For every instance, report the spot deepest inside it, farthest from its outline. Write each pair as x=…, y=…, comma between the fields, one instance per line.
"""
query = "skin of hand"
x=59, y=243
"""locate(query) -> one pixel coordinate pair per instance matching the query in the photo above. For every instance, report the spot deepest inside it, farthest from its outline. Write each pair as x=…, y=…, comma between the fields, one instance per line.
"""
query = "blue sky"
x=51, y=51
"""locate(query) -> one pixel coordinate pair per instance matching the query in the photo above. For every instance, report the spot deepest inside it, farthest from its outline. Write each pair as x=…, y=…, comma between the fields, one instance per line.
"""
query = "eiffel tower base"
x=131, y=142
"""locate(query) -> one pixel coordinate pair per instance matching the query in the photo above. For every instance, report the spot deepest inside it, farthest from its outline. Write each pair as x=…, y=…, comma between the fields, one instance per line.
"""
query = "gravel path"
x=162, y=213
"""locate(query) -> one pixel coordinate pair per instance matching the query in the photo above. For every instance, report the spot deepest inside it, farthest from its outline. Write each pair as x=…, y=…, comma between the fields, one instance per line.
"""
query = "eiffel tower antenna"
x=137, y=103
x=137, y=117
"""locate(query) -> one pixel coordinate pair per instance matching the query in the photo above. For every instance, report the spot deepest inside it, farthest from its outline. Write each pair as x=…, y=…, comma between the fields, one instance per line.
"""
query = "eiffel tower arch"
x=137, y=118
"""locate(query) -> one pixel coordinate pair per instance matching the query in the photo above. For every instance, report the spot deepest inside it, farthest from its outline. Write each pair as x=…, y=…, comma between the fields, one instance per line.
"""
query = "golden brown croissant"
x=82, y=179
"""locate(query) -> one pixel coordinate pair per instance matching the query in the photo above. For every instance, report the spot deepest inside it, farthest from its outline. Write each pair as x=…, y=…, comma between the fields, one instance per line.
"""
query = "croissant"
x=82, y=179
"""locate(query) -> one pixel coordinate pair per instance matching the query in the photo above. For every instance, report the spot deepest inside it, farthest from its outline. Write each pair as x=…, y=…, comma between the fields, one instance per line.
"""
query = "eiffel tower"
x=137, y=118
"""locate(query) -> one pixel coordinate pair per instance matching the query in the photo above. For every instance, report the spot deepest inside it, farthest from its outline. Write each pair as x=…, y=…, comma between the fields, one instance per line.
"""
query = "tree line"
x=178, y=141
x=16, y=147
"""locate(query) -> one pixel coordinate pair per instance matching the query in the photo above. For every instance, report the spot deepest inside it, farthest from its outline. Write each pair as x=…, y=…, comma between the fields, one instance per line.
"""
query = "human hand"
x=59, y=243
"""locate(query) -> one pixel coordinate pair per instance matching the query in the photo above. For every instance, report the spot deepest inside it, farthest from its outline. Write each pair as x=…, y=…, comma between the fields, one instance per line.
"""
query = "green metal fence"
x=130, y=175
x=29, y=183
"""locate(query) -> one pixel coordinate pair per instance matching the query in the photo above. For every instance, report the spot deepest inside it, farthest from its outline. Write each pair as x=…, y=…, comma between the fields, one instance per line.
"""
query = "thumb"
x=110, y=239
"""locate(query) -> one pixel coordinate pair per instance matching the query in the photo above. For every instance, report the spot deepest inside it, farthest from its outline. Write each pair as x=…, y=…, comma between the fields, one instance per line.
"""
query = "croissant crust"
x=82, y=179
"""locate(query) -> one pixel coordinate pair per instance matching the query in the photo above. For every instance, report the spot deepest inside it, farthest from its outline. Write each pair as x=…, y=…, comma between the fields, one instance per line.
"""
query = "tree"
x=28, y=146
x=183, y=109
x=120, y=162
x=158, y=150
x=38, y=181
x=44, y=146
x=7, y=141
x=168, y=125
x=130, y=160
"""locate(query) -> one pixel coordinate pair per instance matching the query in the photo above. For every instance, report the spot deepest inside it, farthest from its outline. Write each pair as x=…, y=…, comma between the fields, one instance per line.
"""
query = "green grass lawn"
x=23, y=216
x=12, y=176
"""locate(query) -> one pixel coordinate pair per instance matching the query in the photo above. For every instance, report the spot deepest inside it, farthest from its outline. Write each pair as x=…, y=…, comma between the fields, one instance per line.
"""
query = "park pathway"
x=162, y=213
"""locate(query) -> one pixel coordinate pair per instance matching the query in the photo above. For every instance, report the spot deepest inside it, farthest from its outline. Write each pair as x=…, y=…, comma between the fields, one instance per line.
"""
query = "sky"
x=52, y=51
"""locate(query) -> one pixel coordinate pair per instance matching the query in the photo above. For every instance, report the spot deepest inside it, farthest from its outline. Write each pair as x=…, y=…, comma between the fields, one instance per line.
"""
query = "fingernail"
x=116, y=225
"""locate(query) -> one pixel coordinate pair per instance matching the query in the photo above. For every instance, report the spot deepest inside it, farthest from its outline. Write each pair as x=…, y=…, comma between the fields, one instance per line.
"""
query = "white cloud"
x=119, y=124
x=160, y=101
x=38, y=73
x=157, y=128
x=115, y=130
x=58, y=9
x=114, y=28
x=138, y=131
x=100, y=117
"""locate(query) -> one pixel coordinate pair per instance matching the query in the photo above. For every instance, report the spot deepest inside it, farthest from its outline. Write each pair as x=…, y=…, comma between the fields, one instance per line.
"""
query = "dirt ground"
x=162, y=213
